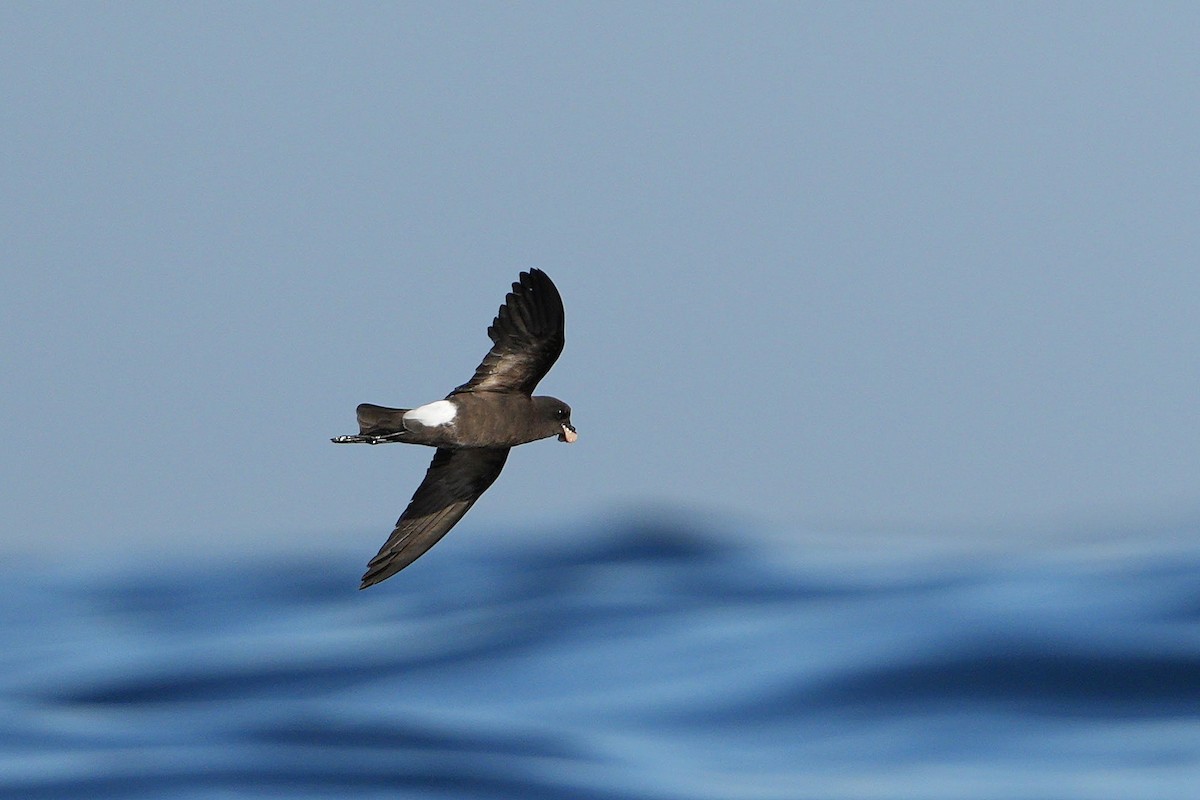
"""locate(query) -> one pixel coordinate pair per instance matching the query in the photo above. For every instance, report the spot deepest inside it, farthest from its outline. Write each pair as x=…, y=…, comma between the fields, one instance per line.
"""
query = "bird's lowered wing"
x=454, y=481
x=527, y=335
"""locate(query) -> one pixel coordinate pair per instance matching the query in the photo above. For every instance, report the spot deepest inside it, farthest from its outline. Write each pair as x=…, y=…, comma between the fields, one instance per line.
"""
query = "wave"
x=640, y=660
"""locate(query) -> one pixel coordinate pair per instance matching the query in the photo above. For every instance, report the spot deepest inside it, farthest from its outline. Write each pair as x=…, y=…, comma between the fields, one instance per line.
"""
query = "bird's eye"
x=562, y=413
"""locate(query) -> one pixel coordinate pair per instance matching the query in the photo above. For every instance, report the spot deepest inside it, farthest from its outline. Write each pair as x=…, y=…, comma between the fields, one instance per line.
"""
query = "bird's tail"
x=380, y=420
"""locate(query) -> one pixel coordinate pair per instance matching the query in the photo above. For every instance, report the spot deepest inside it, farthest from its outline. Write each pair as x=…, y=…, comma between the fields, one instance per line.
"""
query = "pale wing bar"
x=528, y=336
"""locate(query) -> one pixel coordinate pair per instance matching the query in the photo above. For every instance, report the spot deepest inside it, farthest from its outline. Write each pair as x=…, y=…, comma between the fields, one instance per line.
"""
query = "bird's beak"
x=568, y=434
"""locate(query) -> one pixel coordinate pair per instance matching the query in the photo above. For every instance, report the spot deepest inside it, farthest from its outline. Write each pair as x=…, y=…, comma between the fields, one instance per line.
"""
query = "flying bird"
x=476, y=425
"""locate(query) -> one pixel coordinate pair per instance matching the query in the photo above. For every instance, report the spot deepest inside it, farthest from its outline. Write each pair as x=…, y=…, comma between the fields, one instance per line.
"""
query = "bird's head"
x=557, y=416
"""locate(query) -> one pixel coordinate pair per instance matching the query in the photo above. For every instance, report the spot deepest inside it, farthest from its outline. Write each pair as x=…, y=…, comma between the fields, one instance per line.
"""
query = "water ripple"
x=636, y=661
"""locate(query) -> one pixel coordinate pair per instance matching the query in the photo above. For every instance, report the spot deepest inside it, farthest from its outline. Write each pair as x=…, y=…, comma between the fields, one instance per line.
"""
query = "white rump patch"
x=431, y=415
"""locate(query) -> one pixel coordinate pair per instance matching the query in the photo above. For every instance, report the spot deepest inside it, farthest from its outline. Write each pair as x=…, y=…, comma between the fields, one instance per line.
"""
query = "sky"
x=825, y=266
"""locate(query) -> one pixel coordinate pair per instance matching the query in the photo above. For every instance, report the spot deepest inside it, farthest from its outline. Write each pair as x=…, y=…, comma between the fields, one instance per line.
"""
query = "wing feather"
x=527, y=336
x=454, y=481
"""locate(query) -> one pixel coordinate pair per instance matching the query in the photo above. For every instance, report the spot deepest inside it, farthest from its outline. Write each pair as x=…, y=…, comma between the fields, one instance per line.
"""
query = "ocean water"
x=620, y=661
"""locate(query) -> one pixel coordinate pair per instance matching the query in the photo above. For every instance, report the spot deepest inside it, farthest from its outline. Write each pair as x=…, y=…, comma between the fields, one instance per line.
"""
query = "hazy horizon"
x=824, y=266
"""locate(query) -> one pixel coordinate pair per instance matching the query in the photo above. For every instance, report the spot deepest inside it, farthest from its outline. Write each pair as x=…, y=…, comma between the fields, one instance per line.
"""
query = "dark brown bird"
x=476, y=425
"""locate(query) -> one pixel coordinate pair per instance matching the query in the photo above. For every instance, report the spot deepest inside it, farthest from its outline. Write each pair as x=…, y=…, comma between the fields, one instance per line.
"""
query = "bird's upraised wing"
x=454, y=481
x=527, y=335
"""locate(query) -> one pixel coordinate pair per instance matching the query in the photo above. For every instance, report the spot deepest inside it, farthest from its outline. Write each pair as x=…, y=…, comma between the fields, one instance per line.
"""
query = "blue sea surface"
x=618, y=662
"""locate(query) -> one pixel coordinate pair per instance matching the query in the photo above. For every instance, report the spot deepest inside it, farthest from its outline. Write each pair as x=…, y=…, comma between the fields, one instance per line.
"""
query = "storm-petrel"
x=476, y=425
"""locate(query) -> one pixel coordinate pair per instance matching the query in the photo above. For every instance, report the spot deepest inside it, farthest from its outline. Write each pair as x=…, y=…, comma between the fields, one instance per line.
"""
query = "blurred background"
x=881, y=344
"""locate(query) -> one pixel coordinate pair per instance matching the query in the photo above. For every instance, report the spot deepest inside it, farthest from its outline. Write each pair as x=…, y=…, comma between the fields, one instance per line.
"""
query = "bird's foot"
x=363, y=439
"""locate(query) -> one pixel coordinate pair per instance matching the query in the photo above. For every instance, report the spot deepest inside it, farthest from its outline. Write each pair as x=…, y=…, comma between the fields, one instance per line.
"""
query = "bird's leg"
x=364, y=439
